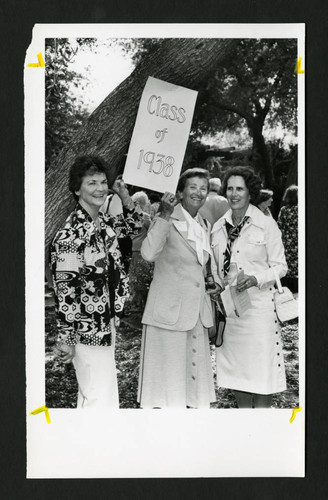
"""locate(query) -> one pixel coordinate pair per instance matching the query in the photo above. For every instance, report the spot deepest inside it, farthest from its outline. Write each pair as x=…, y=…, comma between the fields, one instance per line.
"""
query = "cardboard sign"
x=160, y=136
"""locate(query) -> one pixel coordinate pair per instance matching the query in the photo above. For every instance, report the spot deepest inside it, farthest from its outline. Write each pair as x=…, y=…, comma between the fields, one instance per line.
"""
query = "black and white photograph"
x=165, y=249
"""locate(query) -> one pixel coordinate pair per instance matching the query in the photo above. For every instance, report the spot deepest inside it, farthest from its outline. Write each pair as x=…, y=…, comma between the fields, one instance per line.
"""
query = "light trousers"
x=96, y=376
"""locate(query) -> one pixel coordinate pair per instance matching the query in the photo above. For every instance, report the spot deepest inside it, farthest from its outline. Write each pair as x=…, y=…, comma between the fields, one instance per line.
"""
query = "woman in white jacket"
x=175, y=369
x=250, y=360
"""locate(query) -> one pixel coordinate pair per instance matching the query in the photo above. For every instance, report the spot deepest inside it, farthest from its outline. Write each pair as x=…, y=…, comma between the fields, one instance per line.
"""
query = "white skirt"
x=175, y=369
x=251, y=356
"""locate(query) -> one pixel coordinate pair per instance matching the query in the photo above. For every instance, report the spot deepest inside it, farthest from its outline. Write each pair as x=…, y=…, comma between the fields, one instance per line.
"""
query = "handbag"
x=286, y=305
x=215, y=332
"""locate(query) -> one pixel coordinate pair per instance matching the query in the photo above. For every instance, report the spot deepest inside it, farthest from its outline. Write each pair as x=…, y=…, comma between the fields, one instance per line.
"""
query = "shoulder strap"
x=207, y=223
x=109, y=199
x=276, y=275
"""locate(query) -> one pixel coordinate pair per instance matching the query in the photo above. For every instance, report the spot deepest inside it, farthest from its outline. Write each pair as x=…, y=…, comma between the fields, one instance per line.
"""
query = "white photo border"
x=144, y=443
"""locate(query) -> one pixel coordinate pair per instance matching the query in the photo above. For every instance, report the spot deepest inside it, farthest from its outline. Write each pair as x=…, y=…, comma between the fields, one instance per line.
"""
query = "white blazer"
x=257, y=250
x=177, y=294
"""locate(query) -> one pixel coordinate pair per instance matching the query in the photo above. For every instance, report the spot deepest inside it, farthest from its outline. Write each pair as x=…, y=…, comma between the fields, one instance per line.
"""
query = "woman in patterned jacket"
x=90, y=283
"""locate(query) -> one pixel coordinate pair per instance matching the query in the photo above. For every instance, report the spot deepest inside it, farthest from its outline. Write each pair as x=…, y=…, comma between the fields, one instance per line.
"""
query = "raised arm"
x=158, y=232
x=131, y=220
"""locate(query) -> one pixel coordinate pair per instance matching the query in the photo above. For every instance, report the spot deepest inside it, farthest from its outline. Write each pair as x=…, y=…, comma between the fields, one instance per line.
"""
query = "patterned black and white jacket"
x=90, y=283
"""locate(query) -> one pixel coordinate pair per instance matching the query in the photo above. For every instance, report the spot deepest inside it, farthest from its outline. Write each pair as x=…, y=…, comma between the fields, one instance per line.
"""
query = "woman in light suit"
x=175, y=370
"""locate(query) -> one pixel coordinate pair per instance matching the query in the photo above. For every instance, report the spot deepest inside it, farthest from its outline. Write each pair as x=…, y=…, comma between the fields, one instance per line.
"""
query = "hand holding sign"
x=168, y=203
x=160, y=136
x=121, y=190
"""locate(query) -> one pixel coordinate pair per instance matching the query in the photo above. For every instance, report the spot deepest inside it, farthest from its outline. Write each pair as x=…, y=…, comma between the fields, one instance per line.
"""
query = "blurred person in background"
x=288, y=224
x=215, y=205
x=140, y=271
x=113, y=207
x=264, y=201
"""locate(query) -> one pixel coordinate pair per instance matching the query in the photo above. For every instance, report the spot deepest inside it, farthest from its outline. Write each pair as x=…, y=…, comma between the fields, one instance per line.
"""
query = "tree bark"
x=261, y=161
x=108, y=130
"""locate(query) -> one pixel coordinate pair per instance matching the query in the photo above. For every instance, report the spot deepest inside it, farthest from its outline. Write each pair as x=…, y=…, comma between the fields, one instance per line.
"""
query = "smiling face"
x=237, y=194
x=92, y=193
x=194, y=194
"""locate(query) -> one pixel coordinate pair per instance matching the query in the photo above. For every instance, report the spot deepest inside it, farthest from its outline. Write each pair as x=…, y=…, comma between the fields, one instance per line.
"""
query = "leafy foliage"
x=63, y=112
x=259, y=82
x=258, y=87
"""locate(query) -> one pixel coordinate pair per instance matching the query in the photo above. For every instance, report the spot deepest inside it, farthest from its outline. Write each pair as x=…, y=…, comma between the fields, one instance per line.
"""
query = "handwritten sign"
x=160, y=136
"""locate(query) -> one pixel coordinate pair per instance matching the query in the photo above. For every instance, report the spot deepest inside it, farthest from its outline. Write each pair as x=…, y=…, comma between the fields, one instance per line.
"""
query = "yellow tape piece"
x=40, y=410
x=47, y=416
x=295, y=410
x=298, y=66
x=40, y=64
x=40, y=59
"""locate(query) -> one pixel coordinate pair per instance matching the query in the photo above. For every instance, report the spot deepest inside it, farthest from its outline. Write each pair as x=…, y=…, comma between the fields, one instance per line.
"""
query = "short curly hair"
x=192, y=172
x=291, y=195
x=252, y=181
x=83, y=166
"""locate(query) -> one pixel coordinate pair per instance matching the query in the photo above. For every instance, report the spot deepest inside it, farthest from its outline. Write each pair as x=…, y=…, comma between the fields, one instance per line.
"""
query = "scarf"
x=233, y=233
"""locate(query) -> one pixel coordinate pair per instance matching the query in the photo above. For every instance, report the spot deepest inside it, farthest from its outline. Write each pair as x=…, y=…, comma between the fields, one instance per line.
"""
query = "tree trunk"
x=260, y=152
x=108, y=130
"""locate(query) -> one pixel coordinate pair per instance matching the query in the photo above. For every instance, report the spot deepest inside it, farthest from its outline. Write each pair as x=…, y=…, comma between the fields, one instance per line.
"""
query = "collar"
x=81, y=218
x=178, y=214
x=255, y=215
x=80, y=215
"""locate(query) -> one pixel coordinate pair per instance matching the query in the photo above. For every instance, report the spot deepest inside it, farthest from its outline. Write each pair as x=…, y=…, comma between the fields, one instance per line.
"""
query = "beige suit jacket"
x=177, y=294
